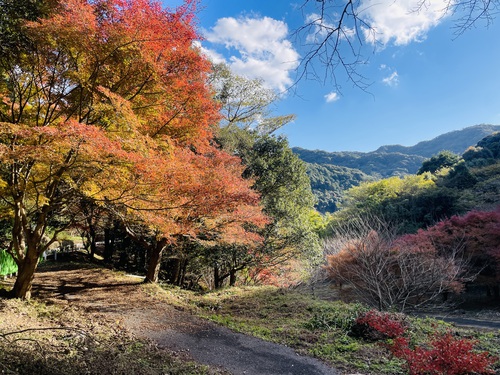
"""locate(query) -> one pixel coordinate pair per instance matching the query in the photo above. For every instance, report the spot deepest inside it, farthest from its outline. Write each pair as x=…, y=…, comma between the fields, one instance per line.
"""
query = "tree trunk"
x=173, y=270
x=232, y=277
x=93, y=245
x=217, y=279
x=108, y=250
x=154, y=265
x=182, y=275
x=109, y=242
x=25, y=275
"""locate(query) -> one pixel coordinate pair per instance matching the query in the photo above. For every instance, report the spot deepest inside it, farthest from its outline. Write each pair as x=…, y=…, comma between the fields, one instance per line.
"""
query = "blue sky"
x=424, y=81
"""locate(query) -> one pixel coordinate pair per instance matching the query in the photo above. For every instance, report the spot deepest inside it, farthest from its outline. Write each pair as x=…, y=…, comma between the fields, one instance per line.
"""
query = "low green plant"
x=335, y=316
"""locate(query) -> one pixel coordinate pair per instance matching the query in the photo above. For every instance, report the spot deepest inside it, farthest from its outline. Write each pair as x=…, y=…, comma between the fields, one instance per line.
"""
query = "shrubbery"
x=388, y=272
x=376, y=325
x=7, y=264
x=445, y=354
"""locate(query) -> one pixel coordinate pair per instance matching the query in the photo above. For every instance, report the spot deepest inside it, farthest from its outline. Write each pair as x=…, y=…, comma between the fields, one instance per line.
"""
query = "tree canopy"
x=109, y=101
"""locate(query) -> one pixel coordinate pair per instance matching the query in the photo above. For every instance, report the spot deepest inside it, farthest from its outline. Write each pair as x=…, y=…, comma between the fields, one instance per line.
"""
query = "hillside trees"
x=328, y=182
x=109, y=102
x=444, y=159
x=477, y=233
x=410, y=202
x=278, y=174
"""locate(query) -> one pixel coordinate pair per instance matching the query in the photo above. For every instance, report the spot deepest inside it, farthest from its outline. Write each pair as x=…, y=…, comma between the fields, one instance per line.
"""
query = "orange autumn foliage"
x=111, y=103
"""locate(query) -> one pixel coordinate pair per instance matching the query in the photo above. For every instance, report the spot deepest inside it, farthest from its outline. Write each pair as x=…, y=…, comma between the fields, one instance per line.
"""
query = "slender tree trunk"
x=173, y=270
x=182, y=275
x=154, y=265
x=92, y=238
x=217, y=279
x=109, y=242
x=108, y=250
x=232, y=277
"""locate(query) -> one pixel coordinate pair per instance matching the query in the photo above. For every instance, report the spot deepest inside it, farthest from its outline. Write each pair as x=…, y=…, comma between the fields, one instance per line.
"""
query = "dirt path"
x=104, y=296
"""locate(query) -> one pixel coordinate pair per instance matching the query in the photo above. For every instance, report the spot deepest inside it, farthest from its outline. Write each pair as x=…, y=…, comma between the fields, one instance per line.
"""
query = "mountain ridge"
x=456, y=141
x=331, y=173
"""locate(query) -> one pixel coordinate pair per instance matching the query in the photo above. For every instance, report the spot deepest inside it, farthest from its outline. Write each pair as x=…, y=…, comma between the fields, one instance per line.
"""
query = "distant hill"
x=456, y=141
x=333, y=172
x=375, y=164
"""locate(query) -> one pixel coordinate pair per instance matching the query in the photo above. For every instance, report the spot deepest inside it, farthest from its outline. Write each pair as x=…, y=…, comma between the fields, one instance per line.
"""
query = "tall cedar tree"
x=109, y=102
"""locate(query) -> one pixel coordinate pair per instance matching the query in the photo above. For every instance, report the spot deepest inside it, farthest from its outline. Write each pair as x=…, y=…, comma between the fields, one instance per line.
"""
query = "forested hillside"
x=329, y=181
x=448, y=214
x=332, y=173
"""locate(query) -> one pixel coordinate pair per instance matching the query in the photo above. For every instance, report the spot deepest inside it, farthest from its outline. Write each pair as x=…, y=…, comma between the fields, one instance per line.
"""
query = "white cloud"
x=402, y=21
x=391, y=80
x=321, y=28
x=213, y=55
x=332, y=97
x=258, y=48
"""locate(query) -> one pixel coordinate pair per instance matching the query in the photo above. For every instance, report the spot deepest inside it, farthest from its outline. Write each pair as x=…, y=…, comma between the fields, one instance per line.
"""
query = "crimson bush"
x=445, y=355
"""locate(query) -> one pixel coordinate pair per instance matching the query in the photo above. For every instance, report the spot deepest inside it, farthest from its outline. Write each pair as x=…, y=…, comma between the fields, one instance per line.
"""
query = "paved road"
x=466, y=322
x=210, y=344
x=120, y=299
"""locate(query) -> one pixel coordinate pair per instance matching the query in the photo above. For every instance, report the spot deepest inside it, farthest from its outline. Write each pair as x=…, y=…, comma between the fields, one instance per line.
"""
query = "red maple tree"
x=110, y=102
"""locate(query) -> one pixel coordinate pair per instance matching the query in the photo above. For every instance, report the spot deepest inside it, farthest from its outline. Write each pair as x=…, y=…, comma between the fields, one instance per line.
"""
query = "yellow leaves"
x=115, y=112
x=390, y=188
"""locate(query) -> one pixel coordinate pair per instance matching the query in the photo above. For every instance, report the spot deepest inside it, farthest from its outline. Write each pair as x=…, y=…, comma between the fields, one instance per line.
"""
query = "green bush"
x=337, y=316
x=7, y=264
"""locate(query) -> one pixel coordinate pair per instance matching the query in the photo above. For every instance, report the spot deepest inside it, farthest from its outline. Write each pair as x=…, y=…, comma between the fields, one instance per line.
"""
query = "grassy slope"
x=317, y=327
x=83, y=343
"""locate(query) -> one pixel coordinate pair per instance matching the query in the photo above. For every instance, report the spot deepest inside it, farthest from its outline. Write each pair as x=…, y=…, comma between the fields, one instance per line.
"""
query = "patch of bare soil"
x=138, y=310
x=74, y=324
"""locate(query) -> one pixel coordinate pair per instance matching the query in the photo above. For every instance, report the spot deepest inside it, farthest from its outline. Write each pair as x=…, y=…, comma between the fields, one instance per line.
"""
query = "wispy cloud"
x=257, y=48
x=332, y=97
x=391, y=80
x=401, y=22
x=321, y=28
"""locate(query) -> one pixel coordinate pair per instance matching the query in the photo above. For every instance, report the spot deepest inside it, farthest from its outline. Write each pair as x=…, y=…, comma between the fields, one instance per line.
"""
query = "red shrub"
x=379, y=325
x=446, y=355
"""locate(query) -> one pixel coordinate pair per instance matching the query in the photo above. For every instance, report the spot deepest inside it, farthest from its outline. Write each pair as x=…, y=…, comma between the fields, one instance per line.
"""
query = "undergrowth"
x=326, y=329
